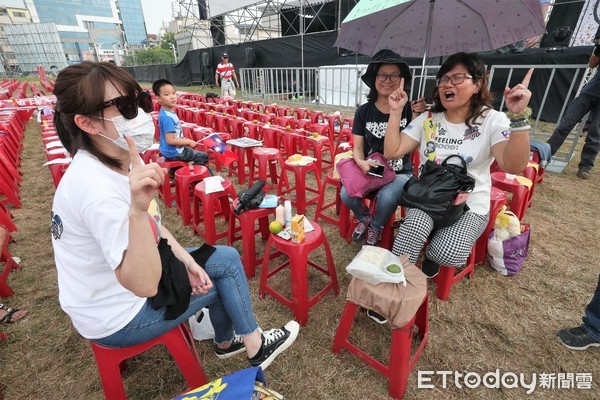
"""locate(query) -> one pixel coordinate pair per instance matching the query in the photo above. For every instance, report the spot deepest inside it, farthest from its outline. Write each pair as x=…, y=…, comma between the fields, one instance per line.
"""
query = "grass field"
x=492, y=322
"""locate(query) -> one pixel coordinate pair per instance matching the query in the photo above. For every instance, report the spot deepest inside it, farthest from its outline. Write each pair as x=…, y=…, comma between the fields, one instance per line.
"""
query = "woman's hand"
x=365, y=165
x=418, y=106
x=144, y=180
x=199, y=280
x=518, y=97
x=398, y=98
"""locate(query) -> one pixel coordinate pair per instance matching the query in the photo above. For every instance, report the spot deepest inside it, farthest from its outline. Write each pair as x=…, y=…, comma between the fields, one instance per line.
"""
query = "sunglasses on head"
x=128, y=105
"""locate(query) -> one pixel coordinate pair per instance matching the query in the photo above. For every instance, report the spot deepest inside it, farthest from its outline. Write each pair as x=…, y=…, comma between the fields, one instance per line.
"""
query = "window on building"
x=19, y=14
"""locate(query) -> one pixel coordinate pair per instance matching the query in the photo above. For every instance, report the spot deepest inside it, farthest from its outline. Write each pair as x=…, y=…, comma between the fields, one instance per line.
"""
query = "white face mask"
x=141, y=129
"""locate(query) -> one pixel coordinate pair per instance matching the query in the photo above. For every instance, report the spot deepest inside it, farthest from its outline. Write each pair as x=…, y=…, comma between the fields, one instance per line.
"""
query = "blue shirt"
x=168, y=122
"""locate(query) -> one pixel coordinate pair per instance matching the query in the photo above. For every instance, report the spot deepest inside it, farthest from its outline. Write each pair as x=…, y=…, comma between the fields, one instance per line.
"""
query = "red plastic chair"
x=400, y=363
x=207, y=207
x=298, y=262
x=178, y=341
x=185, y=181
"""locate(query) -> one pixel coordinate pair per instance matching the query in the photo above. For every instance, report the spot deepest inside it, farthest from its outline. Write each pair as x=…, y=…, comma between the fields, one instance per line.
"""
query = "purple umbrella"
x=428, y=28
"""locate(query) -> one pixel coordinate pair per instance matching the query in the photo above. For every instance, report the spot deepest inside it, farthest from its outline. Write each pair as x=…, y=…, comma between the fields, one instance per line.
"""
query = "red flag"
x=221, y=152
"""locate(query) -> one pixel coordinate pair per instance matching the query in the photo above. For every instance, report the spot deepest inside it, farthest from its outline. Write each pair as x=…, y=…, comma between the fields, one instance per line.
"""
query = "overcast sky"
x=154, y=12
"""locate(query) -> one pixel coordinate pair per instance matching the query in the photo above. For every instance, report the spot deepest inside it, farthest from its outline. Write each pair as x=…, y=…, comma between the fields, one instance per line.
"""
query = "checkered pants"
x=449, y=246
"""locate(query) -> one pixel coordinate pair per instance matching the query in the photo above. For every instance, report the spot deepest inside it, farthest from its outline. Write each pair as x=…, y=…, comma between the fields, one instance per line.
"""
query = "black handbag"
x=440, y=190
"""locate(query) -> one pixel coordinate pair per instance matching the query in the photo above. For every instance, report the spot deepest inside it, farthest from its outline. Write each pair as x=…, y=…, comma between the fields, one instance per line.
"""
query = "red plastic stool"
x=185, y=181
x=316, y=116
x=300, y=172
x=348, y=122
x=297, y=254
x=343, y=221
x=284, y=111
x=210, y=203
x=303, y=123
x=266, y=158
x=400, y=363
x=520, y=192
x=150, y=155
x=253, y=130
x=447, y=276
x=178, y=341
x=222, y=123
x=247, y=233
x=300, y=113
x=236, y=127
x=57, y=170
x=165, y=191
x=285, y=121
x=241, y=166
x=320, y=146
x=497, y=200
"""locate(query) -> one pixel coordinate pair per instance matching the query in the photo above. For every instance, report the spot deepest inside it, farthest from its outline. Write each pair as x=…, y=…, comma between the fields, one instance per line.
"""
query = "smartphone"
x=376, y=170
x=461, y=198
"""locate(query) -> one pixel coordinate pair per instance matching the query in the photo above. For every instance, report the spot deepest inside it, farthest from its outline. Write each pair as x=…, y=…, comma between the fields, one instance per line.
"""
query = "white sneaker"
x=275, y=341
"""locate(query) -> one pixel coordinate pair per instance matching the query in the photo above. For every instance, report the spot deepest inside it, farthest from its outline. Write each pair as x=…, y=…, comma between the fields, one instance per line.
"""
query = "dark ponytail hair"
x=476, y=68
x=80, y=90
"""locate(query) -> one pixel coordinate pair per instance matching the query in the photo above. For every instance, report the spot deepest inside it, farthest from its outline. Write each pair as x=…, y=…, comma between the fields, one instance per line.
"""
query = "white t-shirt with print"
x=89, y=228
x=473, y=144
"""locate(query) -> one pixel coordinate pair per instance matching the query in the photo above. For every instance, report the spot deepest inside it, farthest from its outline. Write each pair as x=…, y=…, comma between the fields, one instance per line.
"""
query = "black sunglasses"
x=128, y=105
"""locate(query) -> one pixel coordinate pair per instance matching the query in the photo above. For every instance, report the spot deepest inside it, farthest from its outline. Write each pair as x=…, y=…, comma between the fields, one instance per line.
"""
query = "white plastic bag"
x=201, y=326
x=374, y=265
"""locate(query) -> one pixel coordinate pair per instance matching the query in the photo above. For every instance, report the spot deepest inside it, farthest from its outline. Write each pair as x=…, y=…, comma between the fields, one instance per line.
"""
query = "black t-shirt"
x=371, y=123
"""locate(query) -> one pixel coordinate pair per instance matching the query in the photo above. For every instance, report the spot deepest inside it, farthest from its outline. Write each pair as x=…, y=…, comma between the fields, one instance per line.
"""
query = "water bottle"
x=287, y=205
x=280, y=215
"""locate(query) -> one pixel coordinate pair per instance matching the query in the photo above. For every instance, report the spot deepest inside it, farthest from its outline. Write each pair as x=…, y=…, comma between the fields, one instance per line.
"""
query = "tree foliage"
x=150, y=56
x=167, y=40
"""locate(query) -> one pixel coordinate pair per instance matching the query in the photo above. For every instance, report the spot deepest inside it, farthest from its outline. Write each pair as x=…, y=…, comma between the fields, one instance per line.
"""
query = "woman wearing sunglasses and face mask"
x=109, y=239
x=464, y=123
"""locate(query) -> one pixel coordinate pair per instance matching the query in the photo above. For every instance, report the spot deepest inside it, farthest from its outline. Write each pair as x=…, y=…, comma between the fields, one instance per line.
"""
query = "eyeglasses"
x=128, y=105
x=392, y=77
x=455, y=79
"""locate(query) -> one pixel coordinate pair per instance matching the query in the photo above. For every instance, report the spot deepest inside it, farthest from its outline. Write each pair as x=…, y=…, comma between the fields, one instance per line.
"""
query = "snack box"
x=297, y=228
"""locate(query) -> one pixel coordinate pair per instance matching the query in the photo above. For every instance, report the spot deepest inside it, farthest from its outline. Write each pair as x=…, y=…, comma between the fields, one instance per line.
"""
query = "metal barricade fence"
x=340, y=88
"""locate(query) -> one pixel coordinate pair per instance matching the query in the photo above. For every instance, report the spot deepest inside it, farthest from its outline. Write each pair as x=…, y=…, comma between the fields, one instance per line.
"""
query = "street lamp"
x=174, y=53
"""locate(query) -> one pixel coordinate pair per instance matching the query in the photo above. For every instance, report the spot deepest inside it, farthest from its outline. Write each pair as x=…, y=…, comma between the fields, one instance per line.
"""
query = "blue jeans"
x=574, y=113
x=228, y=301
x=197, y=157
x=388, y=198
x=591, y=321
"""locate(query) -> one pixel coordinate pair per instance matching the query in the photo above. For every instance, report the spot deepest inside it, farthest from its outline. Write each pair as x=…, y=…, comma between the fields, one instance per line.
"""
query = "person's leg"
x=197, y=157
x=592, y=139
x=388, y=198
x=232, y=91
x=588, y=334
x=360, y=210
x=412, y=234
x=591, y=321
x=223, y=88
x=451, y=245
x=574, y=113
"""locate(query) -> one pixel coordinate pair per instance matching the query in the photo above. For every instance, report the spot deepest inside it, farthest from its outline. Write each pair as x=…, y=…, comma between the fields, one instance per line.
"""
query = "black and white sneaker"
x=380, y=319
x=236, y=347
x=275, y=341
x=577, y=339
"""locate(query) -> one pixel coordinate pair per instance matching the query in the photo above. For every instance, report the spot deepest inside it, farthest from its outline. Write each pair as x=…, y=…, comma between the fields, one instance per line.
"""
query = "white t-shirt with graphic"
x=90, y=233
x=473, y=144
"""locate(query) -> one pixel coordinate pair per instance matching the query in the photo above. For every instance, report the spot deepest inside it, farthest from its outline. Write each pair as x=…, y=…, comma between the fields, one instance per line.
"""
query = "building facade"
x=10, y=16
x=89, y=29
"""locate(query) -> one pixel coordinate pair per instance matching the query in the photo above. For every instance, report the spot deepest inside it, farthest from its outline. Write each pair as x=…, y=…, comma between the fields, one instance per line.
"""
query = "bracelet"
x=516, y=123
x=525, y=114
x=520, y=128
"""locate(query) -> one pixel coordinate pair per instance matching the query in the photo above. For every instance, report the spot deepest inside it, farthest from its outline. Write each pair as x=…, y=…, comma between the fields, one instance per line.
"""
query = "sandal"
x=8, y=317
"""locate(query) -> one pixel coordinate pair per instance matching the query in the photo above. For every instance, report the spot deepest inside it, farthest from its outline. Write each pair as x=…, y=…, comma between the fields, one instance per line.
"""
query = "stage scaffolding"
x=36, y=44
x=266, y=19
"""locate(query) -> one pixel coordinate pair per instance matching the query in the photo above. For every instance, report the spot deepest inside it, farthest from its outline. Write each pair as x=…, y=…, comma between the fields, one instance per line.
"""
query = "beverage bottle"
x=287, y=205
x=280, y=215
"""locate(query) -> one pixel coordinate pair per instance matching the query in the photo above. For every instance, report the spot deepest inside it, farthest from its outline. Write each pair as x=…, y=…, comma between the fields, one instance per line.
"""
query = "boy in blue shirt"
x=173, y=145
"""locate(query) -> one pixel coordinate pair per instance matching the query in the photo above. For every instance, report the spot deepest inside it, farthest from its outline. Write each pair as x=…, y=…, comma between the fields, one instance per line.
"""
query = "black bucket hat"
x=385, y=56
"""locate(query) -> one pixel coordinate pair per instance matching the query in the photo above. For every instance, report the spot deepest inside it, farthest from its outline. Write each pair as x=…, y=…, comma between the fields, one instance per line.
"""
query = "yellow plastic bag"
x=507, y=224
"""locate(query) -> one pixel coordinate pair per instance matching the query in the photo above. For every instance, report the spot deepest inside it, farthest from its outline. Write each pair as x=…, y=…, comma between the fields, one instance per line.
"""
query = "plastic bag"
x=507, y=224
x=201, y=326
x=376, y=265
x=507, y=256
